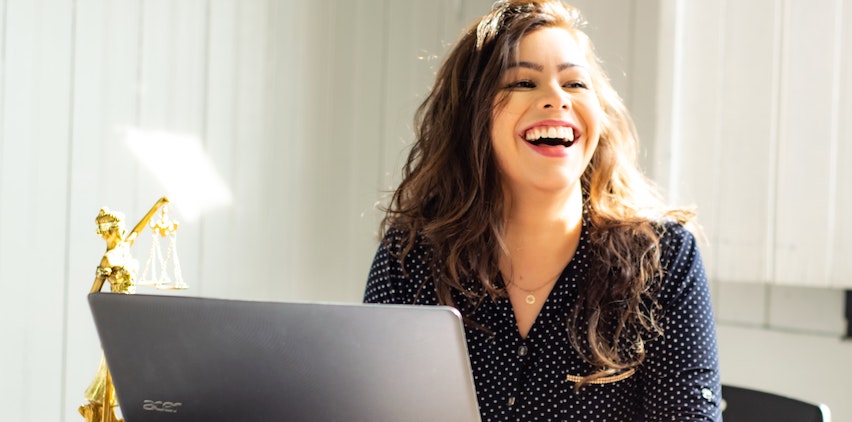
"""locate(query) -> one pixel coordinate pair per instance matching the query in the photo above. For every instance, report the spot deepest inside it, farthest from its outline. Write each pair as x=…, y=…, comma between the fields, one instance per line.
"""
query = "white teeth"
x=551, y=133
x=556, y=132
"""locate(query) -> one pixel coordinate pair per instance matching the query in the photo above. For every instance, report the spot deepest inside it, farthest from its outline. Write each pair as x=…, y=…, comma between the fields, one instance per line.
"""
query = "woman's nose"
x=555, y=97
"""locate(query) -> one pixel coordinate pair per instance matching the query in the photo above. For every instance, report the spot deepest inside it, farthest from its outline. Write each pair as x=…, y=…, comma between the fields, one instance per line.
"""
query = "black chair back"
x=745, y=405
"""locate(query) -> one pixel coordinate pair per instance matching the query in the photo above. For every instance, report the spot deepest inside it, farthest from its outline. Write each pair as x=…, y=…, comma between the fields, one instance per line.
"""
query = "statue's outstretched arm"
x=131, y=237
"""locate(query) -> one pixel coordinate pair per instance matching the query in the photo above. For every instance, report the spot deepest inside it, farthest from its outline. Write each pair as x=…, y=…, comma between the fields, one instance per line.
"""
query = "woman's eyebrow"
x=528, y=65
x=540, y=68
x=567, y=65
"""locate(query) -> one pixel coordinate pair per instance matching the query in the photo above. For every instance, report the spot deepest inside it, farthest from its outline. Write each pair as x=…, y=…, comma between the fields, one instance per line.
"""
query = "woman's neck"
x=539, y=219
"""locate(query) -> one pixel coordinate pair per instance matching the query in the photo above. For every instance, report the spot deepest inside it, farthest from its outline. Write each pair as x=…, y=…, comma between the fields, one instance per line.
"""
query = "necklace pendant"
x=530, y=299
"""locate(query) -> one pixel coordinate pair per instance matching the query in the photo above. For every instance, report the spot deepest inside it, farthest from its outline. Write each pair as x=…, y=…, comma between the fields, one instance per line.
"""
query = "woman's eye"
x=576, y=85
x=521, y=85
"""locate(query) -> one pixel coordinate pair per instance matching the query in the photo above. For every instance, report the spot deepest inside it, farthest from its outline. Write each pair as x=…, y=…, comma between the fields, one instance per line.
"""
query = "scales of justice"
x=120, y=269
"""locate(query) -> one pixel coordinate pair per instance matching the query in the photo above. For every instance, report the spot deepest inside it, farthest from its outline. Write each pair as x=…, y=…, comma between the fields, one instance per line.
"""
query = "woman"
x=521, y=204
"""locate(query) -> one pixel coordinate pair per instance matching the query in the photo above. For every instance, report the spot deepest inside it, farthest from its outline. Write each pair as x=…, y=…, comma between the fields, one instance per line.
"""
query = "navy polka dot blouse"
x=532, y=378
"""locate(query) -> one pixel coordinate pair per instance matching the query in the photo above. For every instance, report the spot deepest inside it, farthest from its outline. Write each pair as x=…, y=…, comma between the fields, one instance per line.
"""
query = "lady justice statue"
x=119, y=268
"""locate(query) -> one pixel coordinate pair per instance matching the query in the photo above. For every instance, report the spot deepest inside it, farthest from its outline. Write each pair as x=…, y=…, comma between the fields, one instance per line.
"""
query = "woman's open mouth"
x=551, y=136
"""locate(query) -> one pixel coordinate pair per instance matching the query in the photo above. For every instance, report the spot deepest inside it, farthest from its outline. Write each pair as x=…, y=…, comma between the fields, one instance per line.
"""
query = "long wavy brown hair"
x=451, y=198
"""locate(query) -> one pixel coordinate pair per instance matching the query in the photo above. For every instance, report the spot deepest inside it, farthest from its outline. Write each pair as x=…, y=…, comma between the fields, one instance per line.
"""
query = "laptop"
x=179, y=358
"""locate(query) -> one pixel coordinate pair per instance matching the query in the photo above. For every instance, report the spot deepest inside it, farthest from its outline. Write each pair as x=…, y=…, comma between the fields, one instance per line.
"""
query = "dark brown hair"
x=450, y=196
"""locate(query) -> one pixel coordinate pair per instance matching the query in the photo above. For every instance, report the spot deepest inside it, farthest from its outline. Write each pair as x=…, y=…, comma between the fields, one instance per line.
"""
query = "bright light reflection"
x=180, y=164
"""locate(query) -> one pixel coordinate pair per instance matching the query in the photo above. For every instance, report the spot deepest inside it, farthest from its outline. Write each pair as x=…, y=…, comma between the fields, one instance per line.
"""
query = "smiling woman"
x=522, y=205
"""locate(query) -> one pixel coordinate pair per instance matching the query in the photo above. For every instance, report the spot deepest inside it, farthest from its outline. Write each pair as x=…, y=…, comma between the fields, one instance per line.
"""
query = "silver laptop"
x=177, y=358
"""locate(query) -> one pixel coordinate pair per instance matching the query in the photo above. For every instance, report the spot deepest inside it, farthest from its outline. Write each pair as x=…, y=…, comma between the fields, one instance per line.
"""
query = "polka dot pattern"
x=525, y=379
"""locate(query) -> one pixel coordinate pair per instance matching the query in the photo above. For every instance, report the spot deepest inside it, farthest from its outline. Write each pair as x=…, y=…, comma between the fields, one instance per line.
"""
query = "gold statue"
x=117, y=265
x=119, y=268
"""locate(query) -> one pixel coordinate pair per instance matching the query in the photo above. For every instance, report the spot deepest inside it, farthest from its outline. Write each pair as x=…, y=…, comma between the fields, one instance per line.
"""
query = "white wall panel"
x=50, y=138
x=841, y=233
x=758, y=121
x=746, y=125
x=413, y=46
x=171, y=74
x=189, y=63
x=299, y=86
x=45, y=203
x=220, y=141
x=363, y=128
x=249, y=245
x=87, y=134
x=158, y=56
x=644, y=78
x=33, y=193
x=805, y=137
x=119, y=107
x=355, y=142
x=325, y=107
x=611, y=28
x=696, y=140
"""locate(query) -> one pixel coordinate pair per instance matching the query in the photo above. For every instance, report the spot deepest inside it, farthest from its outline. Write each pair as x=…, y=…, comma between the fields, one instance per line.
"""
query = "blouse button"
x=707, y=394
x=522, y=351
x=511, y=401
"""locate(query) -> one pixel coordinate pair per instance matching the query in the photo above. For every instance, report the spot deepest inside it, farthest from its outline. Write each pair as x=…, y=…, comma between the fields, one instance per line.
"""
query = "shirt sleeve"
x=385, y=276
x=681, y=368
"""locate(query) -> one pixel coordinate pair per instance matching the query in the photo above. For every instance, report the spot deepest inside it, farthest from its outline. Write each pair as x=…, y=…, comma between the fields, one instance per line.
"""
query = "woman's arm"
x=681, y=369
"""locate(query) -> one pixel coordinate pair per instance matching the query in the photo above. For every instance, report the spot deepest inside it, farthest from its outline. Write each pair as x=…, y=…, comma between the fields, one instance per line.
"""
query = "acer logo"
x=161, y=406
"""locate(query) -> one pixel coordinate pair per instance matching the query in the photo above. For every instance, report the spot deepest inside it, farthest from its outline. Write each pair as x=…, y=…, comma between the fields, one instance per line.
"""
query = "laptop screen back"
x=199, y=359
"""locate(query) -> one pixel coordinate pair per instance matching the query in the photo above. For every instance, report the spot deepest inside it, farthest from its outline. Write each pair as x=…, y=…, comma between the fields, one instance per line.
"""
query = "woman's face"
x=547, y=118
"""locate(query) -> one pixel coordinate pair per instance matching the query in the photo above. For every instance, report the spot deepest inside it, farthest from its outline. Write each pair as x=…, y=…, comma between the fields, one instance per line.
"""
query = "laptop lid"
x=177, y=358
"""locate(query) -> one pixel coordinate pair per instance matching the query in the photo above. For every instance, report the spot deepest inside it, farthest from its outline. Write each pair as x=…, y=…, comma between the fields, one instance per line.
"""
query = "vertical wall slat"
x=697, y=142
x=118, y=110
x=18, y=88
x=156, y=101
x=88, y=130
x=668, y=69
x=293, y=88
x=741, y=234
x=841, y=269
x=363, y=126
x=6, y=312
x=326, y=110
x=172, y=102
x=805, y=136
x=216, y=256
x=410, y=47
x=643, y=78
x=49, y=199
x=33, y=192
x=248, y=244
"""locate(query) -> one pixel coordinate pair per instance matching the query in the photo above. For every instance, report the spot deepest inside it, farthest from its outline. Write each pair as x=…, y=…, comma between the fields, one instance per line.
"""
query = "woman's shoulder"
x=676, y=236
x=400, y=271
x=407, y=250
x=669, y=233
x=680, y=261
x=401, y=241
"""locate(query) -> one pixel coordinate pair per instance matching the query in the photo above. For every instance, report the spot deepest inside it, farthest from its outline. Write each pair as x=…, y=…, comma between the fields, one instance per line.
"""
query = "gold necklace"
x=530, y=298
